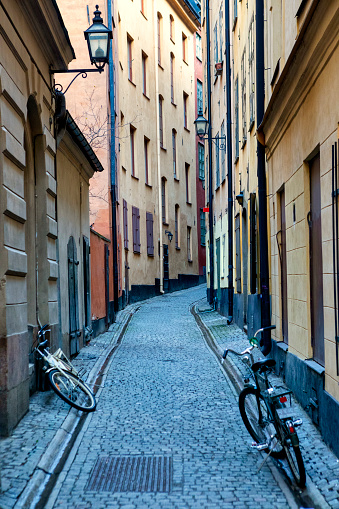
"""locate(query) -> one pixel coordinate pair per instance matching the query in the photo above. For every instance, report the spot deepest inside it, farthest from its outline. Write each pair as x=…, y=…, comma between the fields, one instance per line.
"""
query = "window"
x=163, y=199
x=144, y=73
x=237, y=253
x=172, y=28
x=251, y=71
x=217, y=162
x=235, y=12
x=201, y=155
x=177, y=226
x=224, y=255
x=159, y=28
x=188, y=186
x=132, y=145
x=136, y=229
x=198, y=50
x=174, y=152
x=215, y=40
x=184, y=47
x=221, y=35
x=149, y=233
x=172, y=77
x=202, y=228
x=243, y=97
x=130, y=58
x=189, y=243
x=185, y=97
x=161, y=123
x=236, y=118
x=199, y=97
x=146, y=142
x=253, y=244
x=125, y=220
x=223, y=152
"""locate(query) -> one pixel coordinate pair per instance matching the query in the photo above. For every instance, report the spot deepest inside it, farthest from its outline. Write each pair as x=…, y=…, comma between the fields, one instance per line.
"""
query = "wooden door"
x=316, y=263
x=73, y=264
x=283, y=268
x=166, y=268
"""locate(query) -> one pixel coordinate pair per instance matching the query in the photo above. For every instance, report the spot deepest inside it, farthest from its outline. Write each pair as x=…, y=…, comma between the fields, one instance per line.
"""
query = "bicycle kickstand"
x=268, y=455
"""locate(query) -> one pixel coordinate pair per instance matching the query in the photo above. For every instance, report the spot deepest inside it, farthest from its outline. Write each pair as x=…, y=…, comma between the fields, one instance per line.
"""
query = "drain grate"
x=132, y=473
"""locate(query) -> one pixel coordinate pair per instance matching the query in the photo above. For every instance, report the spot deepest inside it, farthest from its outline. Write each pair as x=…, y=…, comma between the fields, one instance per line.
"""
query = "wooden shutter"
x=149, y=231
x=125, y=220
x=237, y=253
x=136, y=229
x=253, y=245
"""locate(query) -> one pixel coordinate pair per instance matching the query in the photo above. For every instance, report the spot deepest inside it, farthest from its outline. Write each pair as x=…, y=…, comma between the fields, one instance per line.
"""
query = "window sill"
x=137, y=252
x=186, y=129
x=189, y=203
x=177, y=248
x=163, y=148
x=161, y=67
x=176, y=179
x=172, y=40
x=131, y=82
x=190, y=261
x=315, y=366
x=173, y=103
x=234, y=23
x=185, y=61
x=144, y=15
x=251, y=126
x=243, y=143
x=134, y=177
x=148, y=185
x=146, y=96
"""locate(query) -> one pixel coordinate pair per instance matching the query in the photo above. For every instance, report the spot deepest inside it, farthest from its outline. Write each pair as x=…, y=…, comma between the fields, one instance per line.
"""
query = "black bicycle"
x=267, y=412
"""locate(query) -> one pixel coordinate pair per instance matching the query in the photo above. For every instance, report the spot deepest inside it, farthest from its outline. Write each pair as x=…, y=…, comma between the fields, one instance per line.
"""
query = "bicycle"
x=265, y=412
x=64, y=379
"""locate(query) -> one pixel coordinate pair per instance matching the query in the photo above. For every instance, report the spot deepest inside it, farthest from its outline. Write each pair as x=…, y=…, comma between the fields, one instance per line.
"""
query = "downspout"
x=229, y=160
x=210, y=175
x=112, y=165
x=161, y=252
x=261, y=174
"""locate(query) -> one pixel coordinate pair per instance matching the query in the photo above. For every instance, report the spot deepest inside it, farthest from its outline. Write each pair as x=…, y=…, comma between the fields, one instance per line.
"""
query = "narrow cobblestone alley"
x=165, y=396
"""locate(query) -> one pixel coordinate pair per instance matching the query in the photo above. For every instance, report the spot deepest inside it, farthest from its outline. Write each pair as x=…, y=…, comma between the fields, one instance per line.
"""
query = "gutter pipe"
x=265, y=343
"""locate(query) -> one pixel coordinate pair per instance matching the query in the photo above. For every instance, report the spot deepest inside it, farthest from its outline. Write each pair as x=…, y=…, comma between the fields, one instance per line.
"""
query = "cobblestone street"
x=165, y=398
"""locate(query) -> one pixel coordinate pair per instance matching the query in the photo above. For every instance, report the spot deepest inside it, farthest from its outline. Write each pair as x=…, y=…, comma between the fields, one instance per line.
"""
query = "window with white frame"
x=251, y=72
x=243, y=97
x=198, y=46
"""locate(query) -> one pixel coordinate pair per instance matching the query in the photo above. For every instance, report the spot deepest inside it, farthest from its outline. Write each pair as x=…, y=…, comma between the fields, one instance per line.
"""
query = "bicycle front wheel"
x=72, y=390
x=260, y=425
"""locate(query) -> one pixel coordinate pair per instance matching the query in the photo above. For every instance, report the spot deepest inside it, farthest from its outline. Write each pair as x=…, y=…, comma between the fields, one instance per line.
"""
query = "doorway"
x=166, y=268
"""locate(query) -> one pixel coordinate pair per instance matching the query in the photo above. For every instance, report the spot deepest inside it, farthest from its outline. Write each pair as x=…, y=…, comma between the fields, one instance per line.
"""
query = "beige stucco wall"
x=28, y=223
x=306, y=111
x=142, y=113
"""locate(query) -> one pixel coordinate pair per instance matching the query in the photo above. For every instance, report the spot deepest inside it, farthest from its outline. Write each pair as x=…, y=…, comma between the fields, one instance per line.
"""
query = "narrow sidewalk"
x=322, y=465
x=33, y=455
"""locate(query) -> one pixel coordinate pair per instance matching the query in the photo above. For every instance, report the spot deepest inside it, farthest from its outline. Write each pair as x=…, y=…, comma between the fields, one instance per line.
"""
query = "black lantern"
x=201, y=125
x=169, y=234
x=98, y=38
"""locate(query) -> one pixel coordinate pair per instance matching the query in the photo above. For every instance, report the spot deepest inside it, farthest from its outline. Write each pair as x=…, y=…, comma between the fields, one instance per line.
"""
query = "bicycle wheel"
x=72, y=390
x=296, y=463
x=263, y=430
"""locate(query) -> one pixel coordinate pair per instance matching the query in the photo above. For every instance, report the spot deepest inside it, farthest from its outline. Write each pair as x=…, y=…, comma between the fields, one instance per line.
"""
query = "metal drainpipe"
x=112, y=166
x=210, y=175
x=229, y=160
x=263, y=235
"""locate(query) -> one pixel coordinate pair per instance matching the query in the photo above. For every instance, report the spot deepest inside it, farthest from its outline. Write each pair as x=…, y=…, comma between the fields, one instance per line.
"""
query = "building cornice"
x=184, y=9
x=314, y=46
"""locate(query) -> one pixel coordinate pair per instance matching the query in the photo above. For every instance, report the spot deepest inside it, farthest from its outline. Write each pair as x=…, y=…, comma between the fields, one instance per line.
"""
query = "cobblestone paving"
x=22, y=451
x=165, y=394
x=322, y=465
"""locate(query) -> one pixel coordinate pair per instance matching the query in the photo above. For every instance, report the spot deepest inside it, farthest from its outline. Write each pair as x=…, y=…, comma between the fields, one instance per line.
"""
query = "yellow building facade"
x=157, y=169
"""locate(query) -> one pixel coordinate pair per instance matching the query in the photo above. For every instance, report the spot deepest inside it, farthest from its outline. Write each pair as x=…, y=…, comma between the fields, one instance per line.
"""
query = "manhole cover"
x=132, y=473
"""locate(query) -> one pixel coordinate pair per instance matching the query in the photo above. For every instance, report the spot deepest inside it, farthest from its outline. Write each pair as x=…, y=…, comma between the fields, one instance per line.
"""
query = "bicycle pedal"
x=259, y=447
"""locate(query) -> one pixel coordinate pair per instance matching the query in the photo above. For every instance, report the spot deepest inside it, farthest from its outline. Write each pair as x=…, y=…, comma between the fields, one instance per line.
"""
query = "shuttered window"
x=172, y=78
x=161, y=123
x=253, y=245
x=125, y=220
x=136, y=229
x=149, y=232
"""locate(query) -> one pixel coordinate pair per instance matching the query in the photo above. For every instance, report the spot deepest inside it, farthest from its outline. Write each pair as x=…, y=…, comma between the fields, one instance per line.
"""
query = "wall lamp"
x=203, y=132
x=98, y=38
x=169, y=234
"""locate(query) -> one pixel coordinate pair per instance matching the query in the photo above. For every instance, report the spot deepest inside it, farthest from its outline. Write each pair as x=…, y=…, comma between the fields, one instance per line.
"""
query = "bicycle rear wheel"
x=72, y=390
x=296, y=463
x=263, y=429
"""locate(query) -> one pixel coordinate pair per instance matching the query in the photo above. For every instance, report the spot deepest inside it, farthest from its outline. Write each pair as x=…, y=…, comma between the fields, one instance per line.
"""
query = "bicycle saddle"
x=263, y=365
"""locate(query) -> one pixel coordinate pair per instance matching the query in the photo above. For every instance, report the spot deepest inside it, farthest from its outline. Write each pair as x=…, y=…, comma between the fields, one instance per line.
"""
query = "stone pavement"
x=164, y=398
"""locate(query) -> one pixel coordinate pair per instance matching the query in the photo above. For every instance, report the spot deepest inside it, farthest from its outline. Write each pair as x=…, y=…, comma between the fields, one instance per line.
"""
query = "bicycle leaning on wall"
x=267, y=412
x=64, y=379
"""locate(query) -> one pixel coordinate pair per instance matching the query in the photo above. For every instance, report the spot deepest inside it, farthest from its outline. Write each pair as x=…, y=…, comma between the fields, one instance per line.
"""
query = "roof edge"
x=77, y=135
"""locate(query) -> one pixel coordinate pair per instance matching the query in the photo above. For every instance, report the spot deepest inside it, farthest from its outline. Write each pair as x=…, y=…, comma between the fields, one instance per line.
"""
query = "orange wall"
x=98, y=306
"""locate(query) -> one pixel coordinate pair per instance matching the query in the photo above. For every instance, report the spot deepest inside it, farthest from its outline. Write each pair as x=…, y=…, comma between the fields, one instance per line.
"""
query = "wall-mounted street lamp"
x=203, y=131
x=98, y=38
x=169, y=234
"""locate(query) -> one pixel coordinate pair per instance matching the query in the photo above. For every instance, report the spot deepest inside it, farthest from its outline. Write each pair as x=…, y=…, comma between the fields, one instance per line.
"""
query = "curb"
x=311, y=495
x=45, y=475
